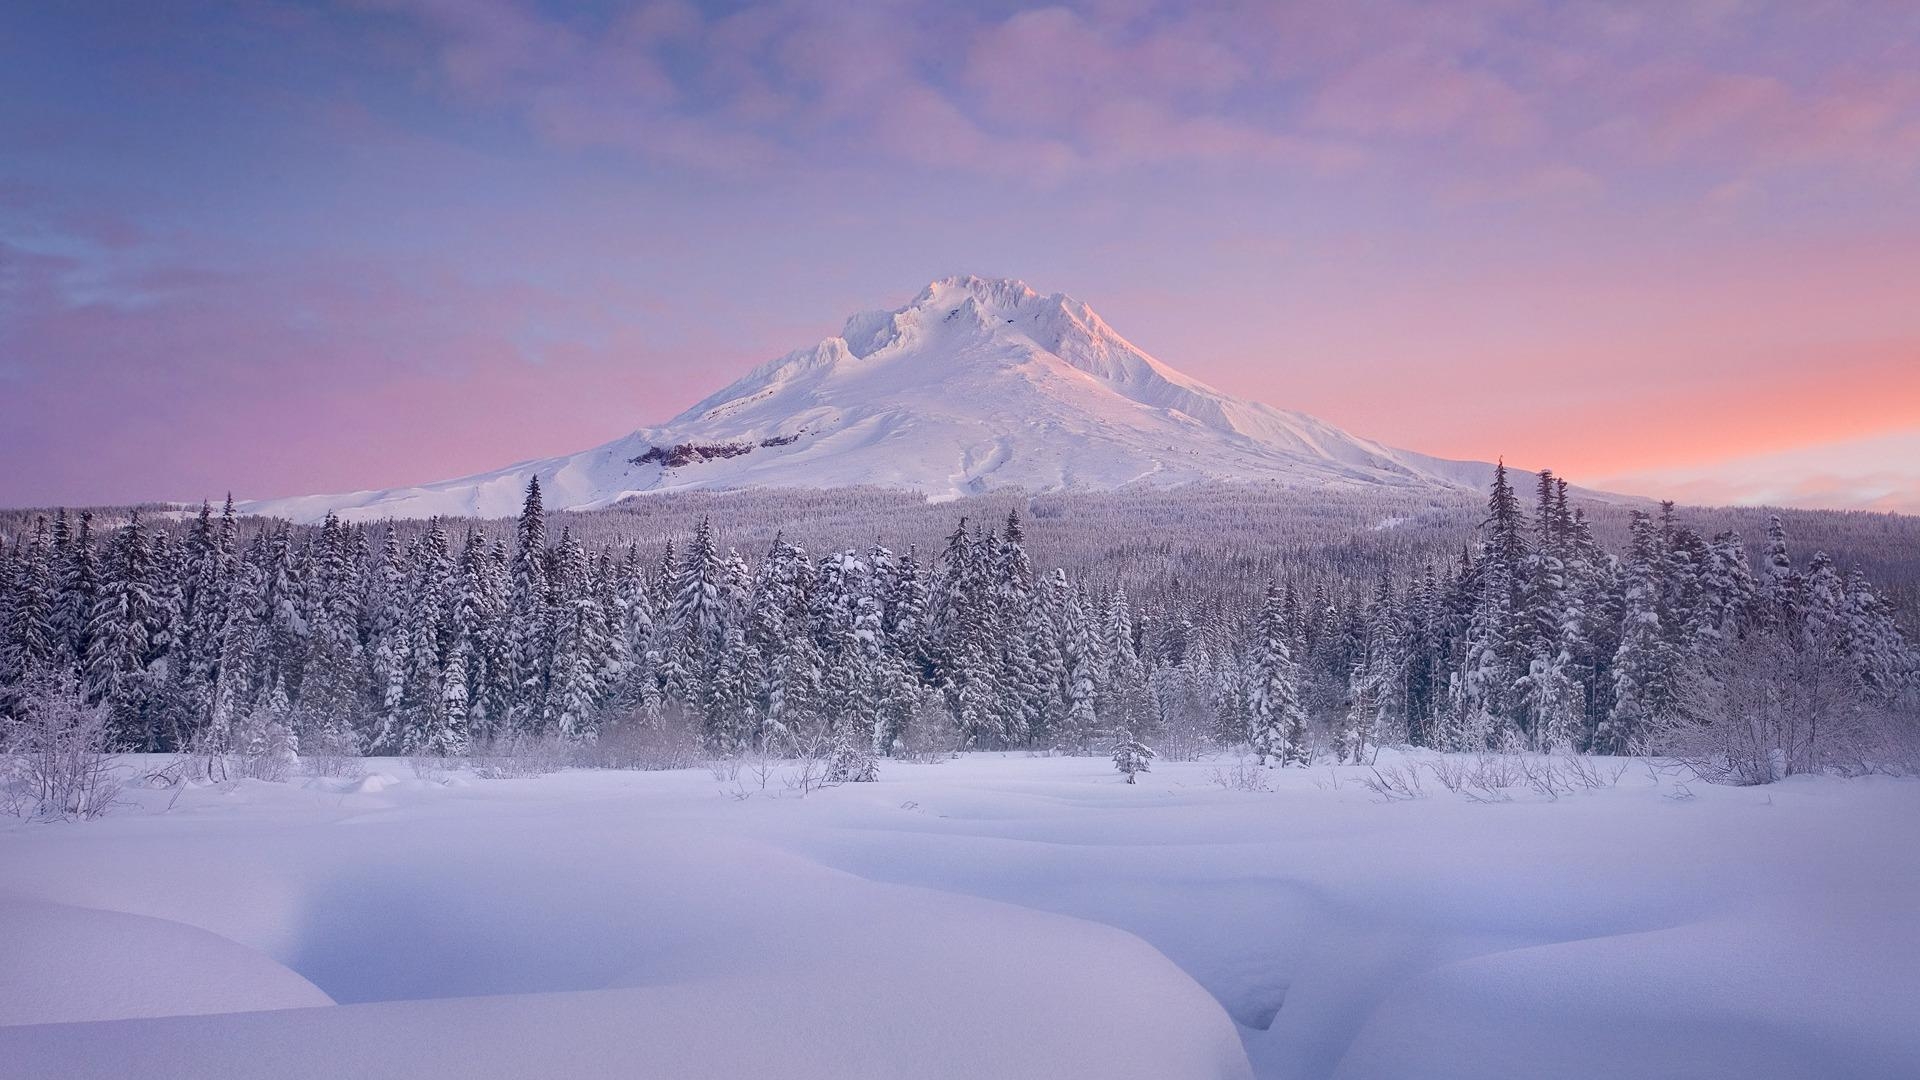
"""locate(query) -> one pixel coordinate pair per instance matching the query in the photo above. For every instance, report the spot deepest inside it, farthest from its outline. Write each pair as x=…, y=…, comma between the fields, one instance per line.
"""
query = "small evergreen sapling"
x=1131, y=756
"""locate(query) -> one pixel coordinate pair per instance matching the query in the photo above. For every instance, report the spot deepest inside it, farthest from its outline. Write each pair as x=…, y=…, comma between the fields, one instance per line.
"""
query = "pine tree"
x=125, y=616
x=1277, y=717
x=79, y=582
x=1131, y=756
x=528, y=636
x=30, y=643
x=1084, y=665
x=579, y=645
x=1644, y=666
x=1779, y=585
x=1122, y=700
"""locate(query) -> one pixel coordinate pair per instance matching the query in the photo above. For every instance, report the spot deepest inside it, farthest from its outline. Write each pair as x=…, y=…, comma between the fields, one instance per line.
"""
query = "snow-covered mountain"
x=977, y=384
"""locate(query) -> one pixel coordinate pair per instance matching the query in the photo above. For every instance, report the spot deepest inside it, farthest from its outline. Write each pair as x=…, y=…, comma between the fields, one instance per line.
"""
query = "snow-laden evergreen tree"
x=234, y=688
x=1122, y=698
x=699, y=621
x=777, y=627
x=730, y=703
x=30, y=644
x=1277, y=731
x=1645, y=667
x=1376, y=685
x=634, y=625
x=897, y=671
x=579, y=647
x=529, y=636
x=1779, y=584
x=1549, y=699
x=1083, y=664
x=965, y=651
x=846, y=618
x=1040, y=684
x=126, y=615
x=491, y=705
x=1497, y=630
x=1030, y=700
x=79, y=582
x=1131, y=756
x=333, y=686
x=279, y=610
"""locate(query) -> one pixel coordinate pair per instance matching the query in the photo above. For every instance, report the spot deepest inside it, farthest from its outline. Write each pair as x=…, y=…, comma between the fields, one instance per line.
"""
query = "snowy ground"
x=987, y=917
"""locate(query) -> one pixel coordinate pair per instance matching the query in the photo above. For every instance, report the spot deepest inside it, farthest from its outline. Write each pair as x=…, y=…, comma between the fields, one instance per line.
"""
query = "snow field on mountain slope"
x=991, y=916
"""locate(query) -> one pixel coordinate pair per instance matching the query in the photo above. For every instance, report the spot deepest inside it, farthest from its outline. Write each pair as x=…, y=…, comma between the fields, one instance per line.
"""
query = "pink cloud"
x=1408, y=91
x=1764, y=121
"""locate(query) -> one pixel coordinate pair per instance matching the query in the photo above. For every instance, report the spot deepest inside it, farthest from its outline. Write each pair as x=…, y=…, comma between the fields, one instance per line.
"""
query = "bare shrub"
x=812, y=767
x=523, y=758
x=1544, y=777
x=165, y=777
x=1590, y=774
x=433, y=770
x=632, y=741
x=1240, y=776
x=334, y=766
x=725, y=769
x=58, y=754
x=756, y=770
x=1395, y=783
x=330, y=750
x=1774, y=704
x=1489, y=777
x=930, y=734
x=1451, y=772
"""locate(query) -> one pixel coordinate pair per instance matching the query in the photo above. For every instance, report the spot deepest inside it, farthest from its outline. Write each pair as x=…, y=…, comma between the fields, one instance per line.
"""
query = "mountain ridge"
x=977, y=384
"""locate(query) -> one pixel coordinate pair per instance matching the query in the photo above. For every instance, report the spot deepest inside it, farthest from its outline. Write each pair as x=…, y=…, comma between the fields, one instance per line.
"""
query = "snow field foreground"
x=580, y=925
x=653, y=924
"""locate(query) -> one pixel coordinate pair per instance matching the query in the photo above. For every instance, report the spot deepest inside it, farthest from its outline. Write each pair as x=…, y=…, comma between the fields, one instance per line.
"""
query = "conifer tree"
x=1131, y=756
x=528, y=620
x=1644, y=666
x=1278, y=718
x=125, y=617
x=77, y=590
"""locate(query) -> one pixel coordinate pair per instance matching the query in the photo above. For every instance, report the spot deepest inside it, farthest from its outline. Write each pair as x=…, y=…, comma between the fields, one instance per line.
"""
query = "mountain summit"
x=977, y=384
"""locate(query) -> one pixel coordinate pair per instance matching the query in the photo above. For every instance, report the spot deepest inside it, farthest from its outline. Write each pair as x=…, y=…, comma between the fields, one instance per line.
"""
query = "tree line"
x=346, y=639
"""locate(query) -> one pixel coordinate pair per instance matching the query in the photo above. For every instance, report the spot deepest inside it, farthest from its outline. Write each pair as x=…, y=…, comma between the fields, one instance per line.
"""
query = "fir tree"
x=1131, y=756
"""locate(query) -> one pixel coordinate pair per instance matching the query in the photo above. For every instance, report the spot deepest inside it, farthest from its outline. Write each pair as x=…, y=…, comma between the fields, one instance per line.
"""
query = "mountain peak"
x=977, y=383
x=988, y=293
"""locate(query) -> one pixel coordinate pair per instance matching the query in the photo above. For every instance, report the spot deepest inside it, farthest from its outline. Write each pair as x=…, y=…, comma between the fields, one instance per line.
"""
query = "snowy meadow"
x=356, y=800
x=987, y=915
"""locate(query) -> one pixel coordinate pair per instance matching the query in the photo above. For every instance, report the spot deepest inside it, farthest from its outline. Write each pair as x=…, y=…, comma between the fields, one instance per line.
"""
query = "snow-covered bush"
x=1131, y=756
x=57, y=764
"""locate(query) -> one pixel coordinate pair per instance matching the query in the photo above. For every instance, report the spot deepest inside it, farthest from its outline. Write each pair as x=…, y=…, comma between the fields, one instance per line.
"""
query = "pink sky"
x=291, y=247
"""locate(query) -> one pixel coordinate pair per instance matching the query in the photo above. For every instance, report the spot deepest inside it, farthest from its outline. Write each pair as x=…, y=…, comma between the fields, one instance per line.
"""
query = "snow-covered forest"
x=223, y=634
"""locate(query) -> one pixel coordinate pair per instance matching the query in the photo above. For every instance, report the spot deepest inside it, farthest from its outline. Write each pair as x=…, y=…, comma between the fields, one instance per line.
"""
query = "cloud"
x=1869, y=472
x=1409, y=91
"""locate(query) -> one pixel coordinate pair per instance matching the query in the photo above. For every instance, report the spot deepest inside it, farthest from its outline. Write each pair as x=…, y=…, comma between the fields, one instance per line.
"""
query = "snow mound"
x=66, y=964
x=837, y=1027
x=586, y=925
